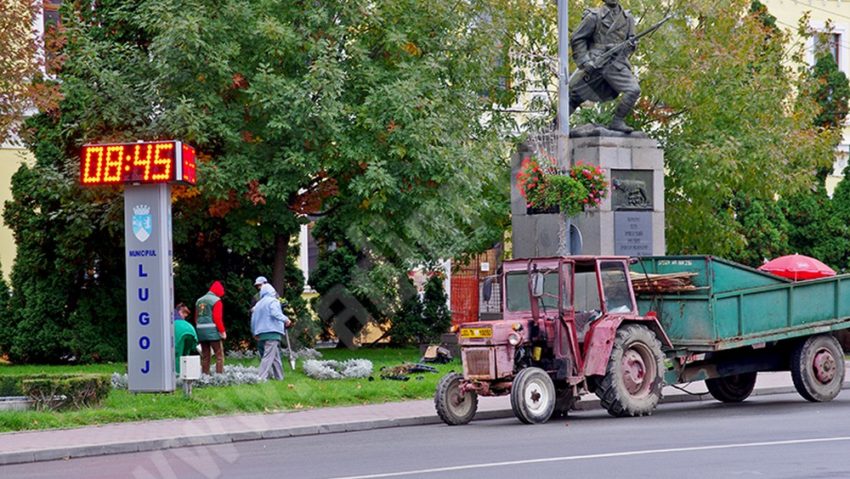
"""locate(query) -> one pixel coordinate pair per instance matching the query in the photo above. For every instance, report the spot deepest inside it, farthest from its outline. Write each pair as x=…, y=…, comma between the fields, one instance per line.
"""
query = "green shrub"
x=423, y=321
x=10, y=386
x=66, y=391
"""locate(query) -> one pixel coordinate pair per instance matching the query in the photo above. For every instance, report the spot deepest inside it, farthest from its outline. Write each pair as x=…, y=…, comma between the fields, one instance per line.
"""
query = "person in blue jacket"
x=268, y=325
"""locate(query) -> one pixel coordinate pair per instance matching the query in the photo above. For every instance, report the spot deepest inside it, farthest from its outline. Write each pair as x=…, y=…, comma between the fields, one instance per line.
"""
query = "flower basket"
x=547, y=189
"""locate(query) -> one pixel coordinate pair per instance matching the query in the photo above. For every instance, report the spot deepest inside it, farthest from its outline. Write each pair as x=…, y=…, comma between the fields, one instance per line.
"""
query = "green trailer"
x=733, y=321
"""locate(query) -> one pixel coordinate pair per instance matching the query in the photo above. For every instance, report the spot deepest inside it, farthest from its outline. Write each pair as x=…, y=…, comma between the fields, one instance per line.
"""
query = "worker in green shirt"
x=185, y=337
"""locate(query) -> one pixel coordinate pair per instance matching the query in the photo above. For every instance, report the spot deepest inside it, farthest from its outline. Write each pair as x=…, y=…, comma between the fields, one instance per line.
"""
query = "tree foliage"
x=377, y=118
x=832, y=92
x=23, y=63
x=730, y=121
x=840, y=215
x=816, y=230
x=763, y=224
x=808, y=221
x=423, y=319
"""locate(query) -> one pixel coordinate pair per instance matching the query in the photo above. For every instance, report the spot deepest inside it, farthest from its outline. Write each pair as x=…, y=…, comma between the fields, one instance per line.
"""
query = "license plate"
x=476, y=333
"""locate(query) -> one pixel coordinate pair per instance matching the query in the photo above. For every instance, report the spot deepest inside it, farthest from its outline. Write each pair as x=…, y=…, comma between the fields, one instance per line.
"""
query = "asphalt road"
x=779, y=436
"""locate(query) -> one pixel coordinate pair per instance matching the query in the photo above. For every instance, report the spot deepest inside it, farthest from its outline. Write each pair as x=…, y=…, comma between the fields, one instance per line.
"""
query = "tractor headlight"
x=514, y=339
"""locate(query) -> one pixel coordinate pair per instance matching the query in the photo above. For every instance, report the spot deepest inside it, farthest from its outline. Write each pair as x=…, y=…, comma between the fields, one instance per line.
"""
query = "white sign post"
x=150, y=291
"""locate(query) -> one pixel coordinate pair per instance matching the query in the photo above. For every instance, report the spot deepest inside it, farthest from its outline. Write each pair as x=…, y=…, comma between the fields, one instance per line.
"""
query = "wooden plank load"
x=663, y=283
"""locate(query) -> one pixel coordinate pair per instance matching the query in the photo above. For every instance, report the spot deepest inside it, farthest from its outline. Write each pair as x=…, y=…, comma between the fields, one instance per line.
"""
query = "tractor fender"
x=601, y=335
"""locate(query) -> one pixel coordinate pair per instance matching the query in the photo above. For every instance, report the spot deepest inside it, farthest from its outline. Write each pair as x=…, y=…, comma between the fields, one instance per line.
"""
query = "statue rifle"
x=620, y=46
x=616, y=49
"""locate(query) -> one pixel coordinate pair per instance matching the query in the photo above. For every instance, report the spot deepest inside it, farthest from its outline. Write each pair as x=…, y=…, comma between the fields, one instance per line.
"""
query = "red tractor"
x=568, y=325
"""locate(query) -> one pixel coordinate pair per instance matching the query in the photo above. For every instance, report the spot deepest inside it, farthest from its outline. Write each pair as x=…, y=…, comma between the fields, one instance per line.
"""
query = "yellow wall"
x=10, y=160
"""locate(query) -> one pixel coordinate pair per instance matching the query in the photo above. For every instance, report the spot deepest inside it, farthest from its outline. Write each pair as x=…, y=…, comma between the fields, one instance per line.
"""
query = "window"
x=517, y=290
x=586, y=291
x=50, y=20
x=51, y=13
x=517, y=286
x=830, y=42
x=618, y=298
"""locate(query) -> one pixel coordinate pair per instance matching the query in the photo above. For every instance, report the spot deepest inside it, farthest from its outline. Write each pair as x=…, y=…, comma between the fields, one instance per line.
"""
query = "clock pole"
x=147, y=170
x=150, y=290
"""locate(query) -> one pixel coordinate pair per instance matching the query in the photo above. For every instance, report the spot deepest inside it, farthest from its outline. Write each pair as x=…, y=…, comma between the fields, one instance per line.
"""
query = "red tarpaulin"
x=797, y=267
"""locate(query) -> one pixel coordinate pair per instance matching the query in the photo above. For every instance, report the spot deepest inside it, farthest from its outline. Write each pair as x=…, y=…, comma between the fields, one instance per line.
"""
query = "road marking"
x=598, y=456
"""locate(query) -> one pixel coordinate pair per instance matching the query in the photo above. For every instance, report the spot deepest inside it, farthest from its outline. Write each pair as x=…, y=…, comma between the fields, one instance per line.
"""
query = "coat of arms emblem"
x=142, y=222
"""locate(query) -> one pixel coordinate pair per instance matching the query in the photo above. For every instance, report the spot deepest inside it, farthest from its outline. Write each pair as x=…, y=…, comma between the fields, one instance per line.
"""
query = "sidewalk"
x=120, y=438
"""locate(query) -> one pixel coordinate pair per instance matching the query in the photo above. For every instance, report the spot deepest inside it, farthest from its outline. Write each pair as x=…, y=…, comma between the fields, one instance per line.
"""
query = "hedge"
x=72, y=391
x=10, y=386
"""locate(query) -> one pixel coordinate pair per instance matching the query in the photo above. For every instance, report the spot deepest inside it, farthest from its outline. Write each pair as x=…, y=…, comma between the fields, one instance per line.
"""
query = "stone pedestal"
x=630, y=220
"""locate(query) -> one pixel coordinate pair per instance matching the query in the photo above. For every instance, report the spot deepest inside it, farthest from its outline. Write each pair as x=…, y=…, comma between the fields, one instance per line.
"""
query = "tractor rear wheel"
x=817, y=368
x=635, y=373
x=533, y=396
x=733, y=388
x=454, y=406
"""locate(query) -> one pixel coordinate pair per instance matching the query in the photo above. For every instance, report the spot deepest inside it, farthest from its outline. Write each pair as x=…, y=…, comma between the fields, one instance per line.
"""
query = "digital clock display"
x=142, y=162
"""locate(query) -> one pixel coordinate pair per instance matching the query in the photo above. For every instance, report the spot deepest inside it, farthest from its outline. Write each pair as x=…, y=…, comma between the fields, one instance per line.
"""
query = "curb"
x=73, y=452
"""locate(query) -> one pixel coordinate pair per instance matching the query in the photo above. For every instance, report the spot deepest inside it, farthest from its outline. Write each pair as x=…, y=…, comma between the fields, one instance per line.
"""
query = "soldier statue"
x=601, y=46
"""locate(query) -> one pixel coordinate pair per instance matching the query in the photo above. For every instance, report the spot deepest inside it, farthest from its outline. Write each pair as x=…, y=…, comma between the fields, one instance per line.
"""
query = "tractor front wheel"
x=454, y=406
x=533, y=396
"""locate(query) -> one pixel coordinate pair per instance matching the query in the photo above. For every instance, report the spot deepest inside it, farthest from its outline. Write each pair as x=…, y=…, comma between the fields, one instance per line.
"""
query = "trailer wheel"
x=454, y=406
x=733, y=388
x=533, y=396
x=817, y=368
x=634, y=376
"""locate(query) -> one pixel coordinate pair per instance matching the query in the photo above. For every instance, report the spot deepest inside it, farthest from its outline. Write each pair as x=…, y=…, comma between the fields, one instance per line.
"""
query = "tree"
x=361, y=113
x=423, y=319
x=816, y=227
x=409, y=326
x=816, y=231
x=18, y=61
x=22, y=85
x=841, y=214
x=376, y=118
x=832, y=92
x=718, y=96
x=438, y=318
x=765, y=228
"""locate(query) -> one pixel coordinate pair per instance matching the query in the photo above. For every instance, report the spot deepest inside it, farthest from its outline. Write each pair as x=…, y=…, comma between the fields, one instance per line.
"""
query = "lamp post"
x=564, y=240
x=563, y=79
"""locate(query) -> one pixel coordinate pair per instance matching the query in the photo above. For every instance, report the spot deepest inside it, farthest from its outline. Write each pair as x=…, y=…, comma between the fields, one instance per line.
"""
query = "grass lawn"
x=296, y=391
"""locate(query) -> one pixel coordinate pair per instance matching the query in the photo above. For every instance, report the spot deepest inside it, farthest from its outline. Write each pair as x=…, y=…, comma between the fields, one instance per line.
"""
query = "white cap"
x=260, y=280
